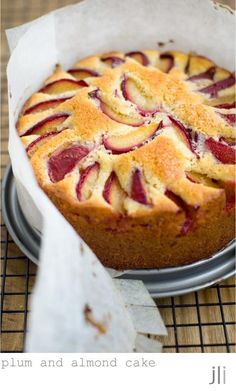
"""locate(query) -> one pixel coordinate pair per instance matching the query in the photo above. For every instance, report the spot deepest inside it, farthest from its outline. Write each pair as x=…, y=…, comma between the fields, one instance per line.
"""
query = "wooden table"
x=197, y=322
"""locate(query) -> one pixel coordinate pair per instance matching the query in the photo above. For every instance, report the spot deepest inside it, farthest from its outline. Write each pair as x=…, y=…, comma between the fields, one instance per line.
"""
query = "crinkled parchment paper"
x=76, y=306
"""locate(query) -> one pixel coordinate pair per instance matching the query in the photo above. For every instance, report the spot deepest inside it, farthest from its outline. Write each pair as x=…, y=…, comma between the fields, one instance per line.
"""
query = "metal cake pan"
x=160, y=282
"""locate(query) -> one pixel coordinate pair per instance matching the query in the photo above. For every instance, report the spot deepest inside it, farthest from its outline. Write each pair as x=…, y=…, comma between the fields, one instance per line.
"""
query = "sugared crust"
x=175, y=206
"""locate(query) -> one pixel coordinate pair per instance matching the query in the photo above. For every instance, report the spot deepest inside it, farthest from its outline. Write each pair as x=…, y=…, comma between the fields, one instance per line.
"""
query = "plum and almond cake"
x=137, y=151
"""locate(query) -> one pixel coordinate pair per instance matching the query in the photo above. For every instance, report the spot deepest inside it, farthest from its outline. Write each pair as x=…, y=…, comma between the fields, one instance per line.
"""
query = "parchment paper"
x=76, y=307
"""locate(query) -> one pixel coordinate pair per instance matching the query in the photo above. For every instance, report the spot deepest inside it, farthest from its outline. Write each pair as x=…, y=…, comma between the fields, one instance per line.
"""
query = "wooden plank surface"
x=203, y=321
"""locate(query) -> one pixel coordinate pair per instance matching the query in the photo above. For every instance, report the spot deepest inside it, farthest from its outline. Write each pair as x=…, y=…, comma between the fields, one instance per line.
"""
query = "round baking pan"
x=160, y=282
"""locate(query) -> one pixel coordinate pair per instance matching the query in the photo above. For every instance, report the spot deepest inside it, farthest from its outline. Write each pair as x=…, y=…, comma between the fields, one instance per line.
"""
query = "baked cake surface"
x=137, y=151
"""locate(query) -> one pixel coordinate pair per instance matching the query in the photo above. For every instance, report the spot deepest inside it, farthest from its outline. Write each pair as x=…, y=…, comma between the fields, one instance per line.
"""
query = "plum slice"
x=229, y=188
x=132, y=93
x=39, y=139
x=128, y=142
x=209, y=74
x=83, y=73
x=226, y=106
x=167, y=62
x=113, y=61
x=113, y=194
x=63, y=162
x=46, y=125
x=189, y=211
x=138, y=192
x=213, y=89
x=139, y=57
x=114, y=115
x=119, y=117
x=230, y=118
x=108, y=187
x=87, y=180
x=190, y=137
x=45, y=105
x=228, y=141
x=63, y=85
x=191, y=179
x=222, y=152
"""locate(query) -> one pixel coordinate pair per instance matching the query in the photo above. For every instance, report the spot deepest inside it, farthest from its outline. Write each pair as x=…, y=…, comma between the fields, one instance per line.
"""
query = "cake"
x=137, y=151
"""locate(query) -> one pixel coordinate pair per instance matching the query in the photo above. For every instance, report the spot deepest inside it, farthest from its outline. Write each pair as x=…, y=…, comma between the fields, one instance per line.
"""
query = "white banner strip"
x=118, y=372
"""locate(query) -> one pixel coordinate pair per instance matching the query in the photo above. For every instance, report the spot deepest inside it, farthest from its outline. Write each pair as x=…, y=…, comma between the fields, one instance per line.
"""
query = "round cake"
x=137, y=151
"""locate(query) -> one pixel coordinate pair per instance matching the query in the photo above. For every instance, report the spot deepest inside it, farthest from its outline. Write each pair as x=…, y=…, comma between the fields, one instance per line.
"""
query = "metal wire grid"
x=13, y=311
x=224, y=342
x=203, y=331
x=197, y=322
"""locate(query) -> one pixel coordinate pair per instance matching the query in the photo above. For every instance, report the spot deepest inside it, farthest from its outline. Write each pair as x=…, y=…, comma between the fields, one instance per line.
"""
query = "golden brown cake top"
x=134, y=133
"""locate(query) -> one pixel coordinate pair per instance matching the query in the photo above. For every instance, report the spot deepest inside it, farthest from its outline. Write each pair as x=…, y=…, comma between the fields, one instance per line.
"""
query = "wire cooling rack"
x=198, y=322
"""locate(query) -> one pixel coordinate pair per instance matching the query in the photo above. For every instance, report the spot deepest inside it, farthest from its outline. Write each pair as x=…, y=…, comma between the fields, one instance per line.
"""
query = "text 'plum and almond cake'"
x=137, y=151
